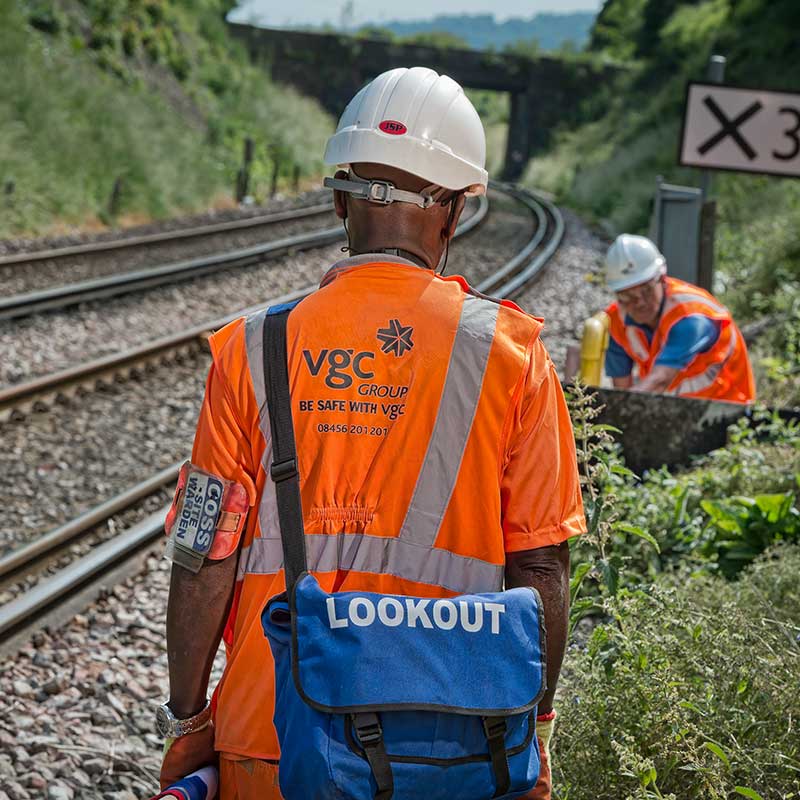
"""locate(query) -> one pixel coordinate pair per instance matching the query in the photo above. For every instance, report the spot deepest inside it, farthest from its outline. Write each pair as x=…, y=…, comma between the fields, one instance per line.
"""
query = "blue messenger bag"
x=388, y=696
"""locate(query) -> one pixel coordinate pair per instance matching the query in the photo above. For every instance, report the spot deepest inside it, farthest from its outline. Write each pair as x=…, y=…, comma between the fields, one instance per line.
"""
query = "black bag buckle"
x=283, y=470
x=369, y=730
x=494, y=727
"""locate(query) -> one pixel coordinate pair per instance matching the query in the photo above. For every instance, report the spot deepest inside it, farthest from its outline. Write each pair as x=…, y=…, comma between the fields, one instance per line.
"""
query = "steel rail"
x=513, y=264
x=20, y=611
x=58, y=297
x=26, y=394
x=22, y=556
x=531, y=271
x=176, y=235
x=24, y=609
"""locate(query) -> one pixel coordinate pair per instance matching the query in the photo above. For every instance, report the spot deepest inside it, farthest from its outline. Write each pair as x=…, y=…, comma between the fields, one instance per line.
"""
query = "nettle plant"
x=601, y=553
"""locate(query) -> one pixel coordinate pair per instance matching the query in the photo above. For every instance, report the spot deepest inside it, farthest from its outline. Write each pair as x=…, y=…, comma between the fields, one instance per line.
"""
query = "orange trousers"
x=247, y=779
x=252, y=779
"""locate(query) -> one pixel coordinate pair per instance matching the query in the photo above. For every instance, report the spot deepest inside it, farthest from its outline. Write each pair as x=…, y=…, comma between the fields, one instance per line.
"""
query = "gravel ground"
x=570, y=290
x=76, y=705
x=21, y=278
x=52, y=341
x=48, y=342
x=60, y=462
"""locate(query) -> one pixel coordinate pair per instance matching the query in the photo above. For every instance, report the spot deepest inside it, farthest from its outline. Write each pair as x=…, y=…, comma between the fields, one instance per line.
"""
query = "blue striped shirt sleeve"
x=687, y=338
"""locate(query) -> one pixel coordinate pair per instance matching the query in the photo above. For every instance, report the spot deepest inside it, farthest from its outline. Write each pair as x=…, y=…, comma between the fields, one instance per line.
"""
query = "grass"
x=150, y=92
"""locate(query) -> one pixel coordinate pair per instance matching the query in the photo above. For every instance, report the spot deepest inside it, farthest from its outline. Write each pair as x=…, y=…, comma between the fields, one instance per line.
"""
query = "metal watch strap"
x=182, y=727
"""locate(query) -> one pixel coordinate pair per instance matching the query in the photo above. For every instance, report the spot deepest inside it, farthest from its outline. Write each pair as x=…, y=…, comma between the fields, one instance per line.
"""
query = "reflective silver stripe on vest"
x=685, y=297
x=635, y=341
x=460, y=396
x=385, y=555
x=254, y=340
x=698, y=383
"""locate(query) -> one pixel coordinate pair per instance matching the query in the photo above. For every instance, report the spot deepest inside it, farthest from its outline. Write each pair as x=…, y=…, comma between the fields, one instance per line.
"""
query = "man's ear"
x=340, y=198
x=455, y=214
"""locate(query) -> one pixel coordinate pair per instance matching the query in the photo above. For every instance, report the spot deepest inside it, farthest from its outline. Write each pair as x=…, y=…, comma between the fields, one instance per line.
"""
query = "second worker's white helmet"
x=632, y=260
x=418, y=121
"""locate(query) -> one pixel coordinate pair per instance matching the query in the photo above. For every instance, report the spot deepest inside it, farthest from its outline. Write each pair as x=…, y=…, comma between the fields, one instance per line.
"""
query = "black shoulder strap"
x=284, y=455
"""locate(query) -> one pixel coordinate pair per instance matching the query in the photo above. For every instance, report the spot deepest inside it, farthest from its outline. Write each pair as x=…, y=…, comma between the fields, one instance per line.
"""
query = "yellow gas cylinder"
x=594, y=344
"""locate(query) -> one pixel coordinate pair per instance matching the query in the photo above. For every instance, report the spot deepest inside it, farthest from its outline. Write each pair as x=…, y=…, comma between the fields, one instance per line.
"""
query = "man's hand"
x=186, y=754
x=657, y=381
x=624, y=382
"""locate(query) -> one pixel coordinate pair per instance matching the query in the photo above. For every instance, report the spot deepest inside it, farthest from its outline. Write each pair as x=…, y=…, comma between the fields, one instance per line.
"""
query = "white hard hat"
x=632, y=260
x=418, y=121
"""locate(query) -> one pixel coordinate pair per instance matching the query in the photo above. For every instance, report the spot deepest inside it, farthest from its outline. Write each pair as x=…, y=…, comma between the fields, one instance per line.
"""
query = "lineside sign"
x=745, y=130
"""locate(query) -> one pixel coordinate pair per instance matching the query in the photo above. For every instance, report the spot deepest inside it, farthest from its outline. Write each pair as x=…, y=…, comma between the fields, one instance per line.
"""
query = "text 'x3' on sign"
x=746, y=130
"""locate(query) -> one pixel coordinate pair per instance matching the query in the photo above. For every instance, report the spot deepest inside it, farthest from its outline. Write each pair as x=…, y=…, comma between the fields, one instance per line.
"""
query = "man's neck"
x=392, y=251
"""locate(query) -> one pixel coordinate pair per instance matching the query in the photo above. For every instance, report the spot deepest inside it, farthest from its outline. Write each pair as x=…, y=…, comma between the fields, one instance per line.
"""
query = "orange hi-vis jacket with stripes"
x=432, y=438
x=722, y=372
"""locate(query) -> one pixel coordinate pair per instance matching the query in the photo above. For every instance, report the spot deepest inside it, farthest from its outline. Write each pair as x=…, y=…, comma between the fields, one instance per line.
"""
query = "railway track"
x=30, y=608
x=149, y=239
x=59, y=297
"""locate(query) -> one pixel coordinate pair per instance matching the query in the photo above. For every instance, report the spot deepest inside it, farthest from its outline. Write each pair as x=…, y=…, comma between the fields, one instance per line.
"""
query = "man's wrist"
x=184, y=710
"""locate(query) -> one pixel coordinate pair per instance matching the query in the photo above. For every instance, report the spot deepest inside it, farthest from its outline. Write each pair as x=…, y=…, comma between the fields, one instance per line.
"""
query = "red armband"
x=206, y=518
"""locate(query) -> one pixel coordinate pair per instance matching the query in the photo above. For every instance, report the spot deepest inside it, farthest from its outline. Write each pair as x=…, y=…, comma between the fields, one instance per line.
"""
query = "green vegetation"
x=607, y=168
x=687, y=685
x=150, y=91
x=688, y=691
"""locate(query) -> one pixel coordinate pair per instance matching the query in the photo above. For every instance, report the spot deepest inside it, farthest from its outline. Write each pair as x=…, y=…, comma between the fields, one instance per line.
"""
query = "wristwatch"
x=170, y=727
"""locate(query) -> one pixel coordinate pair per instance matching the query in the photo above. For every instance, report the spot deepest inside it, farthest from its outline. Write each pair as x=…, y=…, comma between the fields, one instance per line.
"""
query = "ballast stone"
x=392, y=612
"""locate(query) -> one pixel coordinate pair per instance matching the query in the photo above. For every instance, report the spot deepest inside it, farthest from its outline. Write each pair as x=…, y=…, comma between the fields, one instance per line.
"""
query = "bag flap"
x=471, y=654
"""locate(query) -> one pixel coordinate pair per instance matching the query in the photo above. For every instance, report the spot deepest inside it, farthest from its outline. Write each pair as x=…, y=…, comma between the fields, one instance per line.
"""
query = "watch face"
x=163, y=722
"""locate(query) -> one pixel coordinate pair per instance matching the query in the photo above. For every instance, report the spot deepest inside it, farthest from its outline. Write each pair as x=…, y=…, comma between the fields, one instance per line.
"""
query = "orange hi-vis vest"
x=432, y=438
x=723, y=372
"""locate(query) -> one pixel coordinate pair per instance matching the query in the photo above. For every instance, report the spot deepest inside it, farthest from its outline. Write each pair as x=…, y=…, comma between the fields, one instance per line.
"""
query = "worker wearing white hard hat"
x=423, y=412
x=676, y=336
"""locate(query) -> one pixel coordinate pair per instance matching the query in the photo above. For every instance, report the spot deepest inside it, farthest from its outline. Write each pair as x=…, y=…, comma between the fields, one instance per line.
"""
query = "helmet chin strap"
x=384, y=192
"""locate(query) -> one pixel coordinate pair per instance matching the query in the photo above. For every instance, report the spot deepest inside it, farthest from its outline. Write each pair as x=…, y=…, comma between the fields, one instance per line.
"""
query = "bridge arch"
x=545, y=91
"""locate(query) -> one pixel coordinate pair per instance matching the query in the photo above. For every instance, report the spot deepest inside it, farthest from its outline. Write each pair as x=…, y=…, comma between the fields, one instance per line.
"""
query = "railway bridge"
x=545, y=91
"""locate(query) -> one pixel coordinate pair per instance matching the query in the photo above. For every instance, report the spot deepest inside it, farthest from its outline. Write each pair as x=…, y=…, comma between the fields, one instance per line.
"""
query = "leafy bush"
x=687, y=687
x=744, y=527
x=688, y=691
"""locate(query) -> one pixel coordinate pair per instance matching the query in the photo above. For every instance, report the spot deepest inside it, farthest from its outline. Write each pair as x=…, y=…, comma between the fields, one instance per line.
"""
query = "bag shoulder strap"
x=283, y=470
